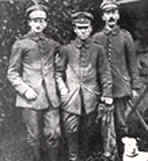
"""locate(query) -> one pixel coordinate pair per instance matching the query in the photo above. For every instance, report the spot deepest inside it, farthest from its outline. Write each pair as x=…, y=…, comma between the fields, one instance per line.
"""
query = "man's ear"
x=29, y=22
x=103, y=17
x=45, y=25
x=118, y=15
x=74, y=29
x=124, y=140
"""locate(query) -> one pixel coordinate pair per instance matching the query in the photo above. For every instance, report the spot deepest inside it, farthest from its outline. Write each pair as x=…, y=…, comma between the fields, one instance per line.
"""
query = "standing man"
x=83, y=76
x=120, y=51
x=31, y=73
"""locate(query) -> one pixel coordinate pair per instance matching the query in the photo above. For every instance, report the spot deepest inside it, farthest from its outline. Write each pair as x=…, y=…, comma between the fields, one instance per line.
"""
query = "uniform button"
x=110, y=45
x=109, y=49
x=109, y=58
x=109, y=54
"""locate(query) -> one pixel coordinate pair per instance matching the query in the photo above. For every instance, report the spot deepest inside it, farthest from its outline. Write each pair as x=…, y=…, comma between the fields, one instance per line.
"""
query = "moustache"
x=111, y=20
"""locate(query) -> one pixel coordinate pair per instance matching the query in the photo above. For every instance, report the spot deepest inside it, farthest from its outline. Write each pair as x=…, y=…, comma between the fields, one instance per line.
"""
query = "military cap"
x=109, y=5
x=37, y=11
x=82, y=18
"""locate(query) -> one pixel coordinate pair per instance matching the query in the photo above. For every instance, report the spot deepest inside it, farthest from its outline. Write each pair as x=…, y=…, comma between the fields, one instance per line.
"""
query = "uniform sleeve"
x=132, y=61
x=56, y=44
x=97, y=39
x=60, y=66
x=14, y=69
x=105, y=76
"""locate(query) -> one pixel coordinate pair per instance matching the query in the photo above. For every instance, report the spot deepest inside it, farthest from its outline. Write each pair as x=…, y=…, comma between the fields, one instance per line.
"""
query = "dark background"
x=134, y=17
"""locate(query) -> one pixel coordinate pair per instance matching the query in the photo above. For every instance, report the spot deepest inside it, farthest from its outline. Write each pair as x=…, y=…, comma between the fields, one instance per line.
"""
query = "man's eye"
x=38, y=20
x=35, y=20
x=42, y=21
x=107, y=12
x=81, y=28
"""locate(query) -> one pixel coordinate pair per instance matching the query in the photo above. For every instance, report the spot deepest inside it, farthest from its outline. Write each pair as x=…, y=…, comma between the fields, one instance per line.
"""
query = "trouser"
x=43, y=126
x=120, y=108
x=120, y=121
x=71, y=127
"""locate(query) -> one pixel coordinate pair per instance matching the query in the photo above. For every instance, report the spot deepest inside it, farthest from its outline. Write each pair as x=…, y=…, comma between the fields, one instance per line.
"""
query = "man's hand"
x=64, y=91
x=100, y=111
x=134, y=94
x=107, y=100
x=30, y=94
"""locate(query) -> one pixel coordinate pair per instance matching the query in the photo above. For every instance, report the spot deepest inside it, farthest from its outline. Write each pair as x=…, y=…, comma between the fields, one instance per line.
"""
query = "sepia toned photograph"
x=73, y=80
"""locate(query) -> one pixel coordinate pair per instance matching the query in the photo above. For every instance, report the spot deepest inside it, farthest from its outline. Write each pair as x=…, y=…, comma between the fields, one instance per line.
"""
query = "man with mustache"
x=120, y=51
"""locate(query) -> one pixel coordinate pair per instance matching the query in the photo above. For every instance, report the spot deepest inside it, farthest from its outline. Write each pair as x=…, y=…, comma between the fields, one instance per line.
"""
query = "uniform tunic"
x=31, y=63
x=31, y=66
x=120, y=51
x=83, y=67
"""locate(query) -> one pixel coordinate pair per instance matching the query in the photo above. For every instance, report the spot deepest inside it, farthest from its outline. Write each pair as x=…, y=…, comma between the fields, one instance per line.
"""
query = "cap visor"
x=82, y=24
x=110, y=7
x=38, y=14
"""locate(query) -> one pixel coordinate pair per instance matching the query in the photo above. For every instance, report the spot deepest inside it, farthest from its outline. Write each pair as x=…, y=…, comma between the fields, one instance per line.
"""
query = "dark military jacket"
x=84, y=70
x=120, y=51
x=31, y=66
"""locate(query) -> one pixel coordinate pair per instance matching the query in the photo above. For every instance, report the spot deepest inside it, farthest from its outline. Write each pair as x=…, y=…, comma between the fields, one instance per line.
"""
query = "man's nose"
x=83, y=31
x=134, y=150
x=111, y=15
x=38, y=24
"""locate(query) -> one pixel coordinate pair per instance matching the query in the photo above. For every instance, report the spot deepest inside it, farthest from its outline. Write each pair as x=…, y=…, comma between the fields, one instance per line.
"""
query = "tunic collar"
x=80, y=43
x=36, y=36
x=113, y=32
x=41, y=40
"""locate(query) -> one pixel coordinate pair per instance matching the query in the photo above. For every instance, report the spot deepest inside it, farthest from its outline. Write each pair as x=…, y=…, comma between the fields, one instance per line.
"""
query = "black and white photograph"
x=73, y=80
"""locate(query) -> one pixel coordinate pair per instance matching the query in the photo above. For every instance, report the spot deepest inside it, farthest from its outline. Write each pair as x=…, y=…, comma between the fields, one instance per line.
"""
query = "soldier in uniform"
x=83, y=76
x=31, y=73
x=120, y=51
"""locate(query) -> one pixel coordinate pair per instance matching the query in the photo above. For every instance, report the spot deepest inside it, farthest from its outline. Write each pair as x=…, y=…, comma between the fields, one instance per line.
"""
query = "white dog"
x=131, y=151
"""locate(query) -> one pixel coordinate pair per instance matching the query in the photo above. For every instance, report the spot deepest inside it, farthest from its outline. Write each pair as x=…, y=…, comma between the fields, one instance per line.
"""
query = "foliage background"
x=13, y=25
